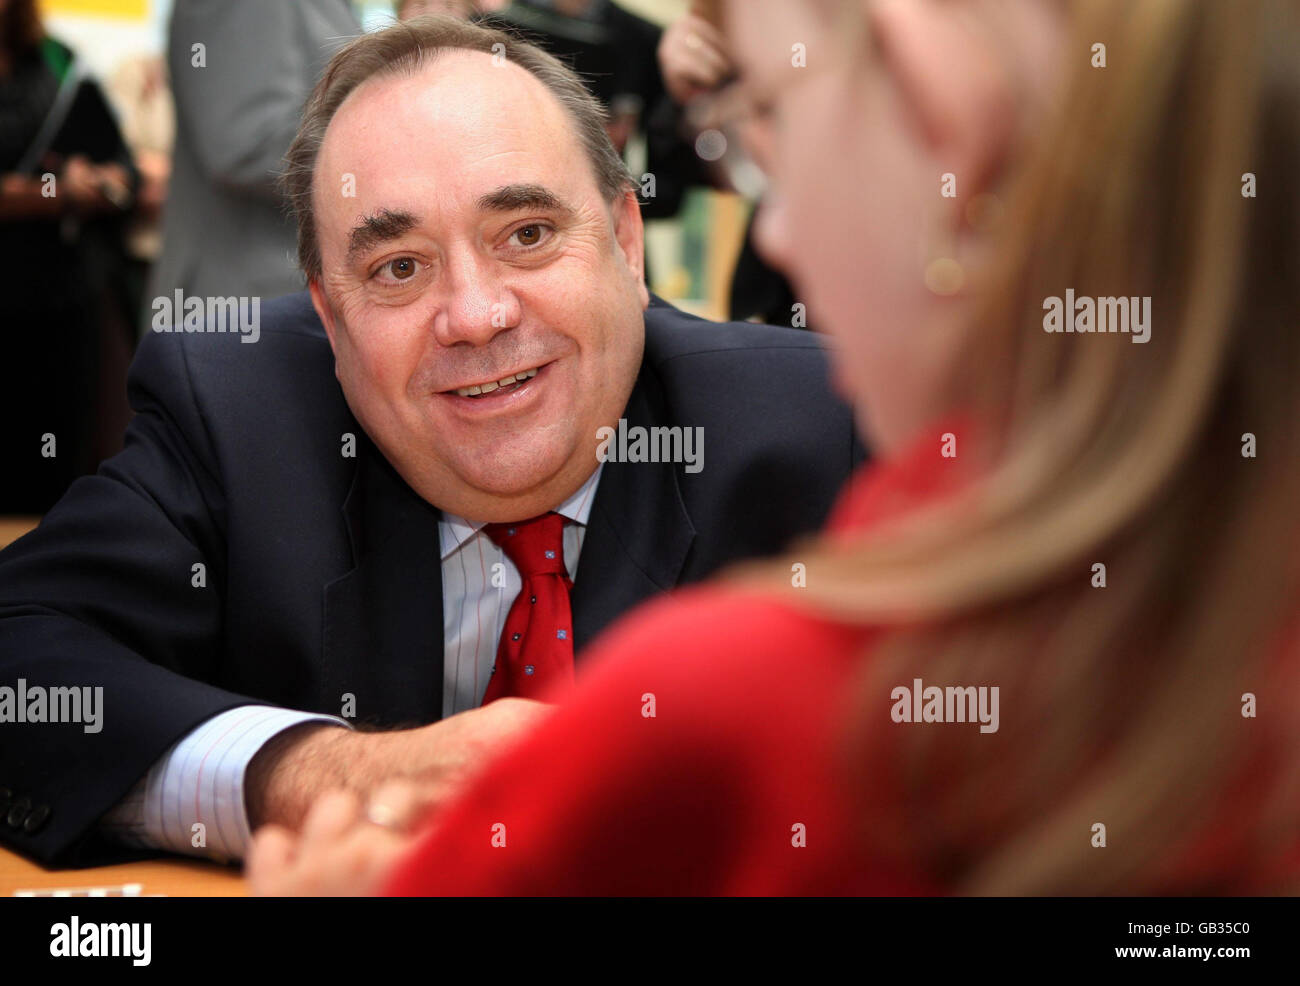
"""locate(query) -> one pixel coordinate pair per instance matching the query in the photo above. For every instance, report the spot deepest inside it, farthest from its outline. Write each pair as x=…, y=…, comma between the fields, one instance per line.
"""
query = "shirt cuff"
x=192, y=799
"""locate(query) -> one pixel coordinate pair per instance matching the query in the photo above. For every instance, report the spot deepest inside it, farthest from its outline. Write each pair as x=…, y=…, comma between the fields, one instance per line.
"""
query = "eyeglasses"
x=735, y=125
x=728, y=123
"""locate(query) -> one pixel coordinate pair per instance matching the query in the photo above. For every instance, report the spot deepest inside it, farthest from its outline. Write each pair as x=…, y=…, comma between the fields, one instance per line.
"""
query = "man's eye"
x=530, y=235
x=400, y=269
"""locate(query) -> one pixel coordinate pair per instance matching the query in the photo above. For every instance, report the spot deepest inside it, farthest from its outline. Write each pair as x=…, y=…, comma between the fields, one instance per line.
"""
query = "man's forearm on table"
x=193, y=799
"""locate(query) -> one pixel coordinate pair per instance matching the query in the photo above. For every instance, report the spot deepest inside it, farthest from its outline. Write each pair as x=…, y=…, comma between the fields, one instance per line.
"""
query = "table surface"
x=171, y=877
x=174, y=877
x=12, y=528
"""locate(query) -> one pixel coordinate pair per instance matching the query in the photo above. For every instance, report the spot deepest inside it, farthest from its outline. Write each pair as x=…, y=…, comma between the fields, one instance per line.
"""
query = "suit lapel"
x=383, y=624
x=383, y=631
x=638, y=532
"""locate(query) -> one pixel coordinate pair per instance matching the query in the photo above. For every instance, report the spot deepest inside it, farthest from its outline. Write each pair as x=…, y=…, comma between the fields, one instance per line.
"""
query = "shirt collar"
x=454, y=531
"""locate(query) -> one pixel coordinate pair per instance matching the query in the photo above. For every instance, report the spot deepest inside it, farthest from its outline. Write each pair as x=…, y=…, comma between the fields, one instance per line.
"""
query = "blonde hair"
x=1120, y=705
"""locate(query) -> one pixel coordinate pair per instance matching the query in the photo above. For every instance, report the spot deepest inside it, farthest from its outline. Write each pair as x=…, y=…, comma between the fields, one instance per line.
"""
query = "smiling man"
x=473, y=252
x=397, y=509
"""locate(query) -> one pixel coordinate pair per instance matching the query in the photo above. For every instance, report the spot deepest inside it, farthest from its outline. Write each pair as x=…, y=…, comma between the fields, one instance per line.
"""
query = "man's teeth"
x=492, y=385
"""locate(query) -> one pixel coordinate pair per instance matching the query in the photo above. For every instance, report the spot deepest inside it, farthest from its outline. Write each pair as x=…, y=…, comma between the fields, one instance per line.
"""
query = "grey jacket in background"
x=225, y=230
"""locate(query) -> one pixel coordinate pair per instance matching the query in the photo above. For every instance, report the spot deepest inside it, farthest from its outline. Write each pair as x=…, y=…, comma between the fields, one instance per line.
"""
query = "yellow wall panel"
x=131, y=10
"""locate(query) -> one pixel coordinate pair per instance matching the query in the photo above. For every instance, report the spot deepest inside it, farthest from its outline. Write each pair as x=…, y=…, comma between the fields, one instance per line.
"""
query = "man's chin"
x=509, y=492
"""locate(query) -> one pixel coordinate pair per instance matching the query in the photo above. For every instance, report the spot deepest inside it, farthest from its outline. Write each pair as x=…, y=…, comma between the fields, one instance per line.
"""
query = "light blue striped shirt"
x=192, y=800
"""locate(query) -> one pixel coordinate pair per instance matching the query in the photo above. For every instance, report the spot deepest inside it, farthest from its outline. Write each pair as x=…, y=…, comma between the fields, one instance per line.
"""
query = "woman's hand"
x=693, y=58
x=345, y=849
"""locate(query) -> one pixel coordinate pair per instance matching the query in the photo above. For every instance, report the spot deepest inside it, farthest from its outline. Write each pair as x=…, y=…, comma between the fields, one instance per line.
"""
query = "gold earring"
x=944, y=276
x=943, y=273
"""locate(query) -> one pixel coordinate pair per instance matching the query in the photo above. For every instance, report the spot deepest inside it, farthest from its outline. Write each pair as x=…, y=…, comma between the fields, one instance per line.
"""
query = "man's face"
x=464, y=241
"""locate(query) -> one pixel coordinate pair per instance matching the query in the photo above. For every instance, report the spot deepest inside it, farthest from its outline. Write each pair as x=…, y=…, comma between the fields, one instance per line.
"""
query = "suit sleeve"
x=241, y=105
x=118, y=594
x=192, y=800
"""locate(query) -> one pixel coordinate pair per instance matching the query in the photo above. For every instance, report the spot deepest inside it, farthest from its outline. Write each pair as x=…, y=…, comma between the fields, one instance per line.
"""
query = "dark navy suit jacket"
x=322, y=572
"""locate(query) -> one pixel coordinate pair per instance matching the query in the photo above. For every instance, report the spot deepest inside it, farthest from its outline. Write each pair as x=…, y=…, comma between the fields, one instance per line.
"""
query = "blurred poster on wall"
x=129, y=10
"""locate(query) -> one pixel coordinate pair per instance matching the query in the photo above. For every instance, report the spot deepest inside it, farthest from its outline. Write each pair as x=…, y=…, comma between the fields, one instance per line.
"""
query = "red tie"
x=536, y=648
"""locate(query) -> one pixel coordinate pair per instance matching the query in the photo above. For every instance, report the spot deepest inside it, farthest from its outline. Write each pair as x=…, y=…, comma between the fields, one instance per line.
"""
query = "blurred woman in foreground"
x=1101, y=528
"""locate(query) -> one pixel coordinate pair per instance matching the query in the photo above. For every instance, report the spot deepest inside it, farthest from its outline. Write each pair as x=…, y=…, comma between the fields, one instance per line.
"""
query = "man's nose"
x=478, y=304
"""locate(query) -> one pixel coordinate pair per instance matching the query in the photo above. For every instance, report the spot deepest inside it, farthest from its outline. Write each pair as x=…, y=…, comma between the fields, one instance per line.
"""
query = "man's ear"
x=323, y=310
x=629, y=234
x=326, y=315
x=952, y=82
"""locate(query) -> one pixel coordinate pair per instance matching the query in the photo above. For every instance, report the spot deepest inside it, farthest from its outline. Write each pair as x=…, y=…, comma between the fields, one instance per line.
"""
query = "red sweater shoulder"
x=703, y=751
x=698, y=755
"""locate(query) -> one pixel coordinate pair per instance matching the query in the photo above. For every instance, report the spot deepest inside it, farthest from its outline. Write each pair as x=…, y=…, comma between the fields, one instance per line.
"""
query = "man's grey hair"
x=404, y=49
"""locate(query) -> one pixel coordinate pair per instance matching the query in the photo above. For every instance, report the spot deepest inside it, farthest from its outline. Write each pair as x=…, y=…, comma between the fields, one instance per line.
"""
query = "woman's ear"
x=952, y=83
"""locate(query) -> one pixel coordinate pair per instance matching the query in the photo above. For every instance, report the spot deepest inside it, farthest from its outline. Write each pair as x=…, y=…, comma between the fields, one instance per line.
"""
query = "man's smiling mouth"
x=505, y=384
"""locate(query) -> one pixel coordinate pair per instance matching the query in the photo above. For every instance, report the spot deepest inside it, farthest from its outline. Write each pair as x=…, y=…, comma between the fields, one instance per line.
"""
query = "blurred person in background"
x=754, y=737
x=614, y=51
x=240, y=73
x=611, y=48
x=138, y=89
x=138, y=92
x=696, y=63
x=66, y=182
x=464, y=9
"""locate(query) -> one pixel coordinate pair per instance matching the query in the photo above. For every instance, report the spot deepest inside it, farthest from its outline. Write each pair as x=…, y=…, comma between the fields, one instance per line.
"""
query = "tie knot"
x=535, y=546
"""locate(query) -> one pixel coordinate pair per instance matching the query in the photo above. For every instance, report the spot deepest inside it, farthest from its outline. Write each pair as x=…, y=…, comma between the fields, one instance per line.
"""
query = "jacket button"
x=37, y=819
x=18, y=812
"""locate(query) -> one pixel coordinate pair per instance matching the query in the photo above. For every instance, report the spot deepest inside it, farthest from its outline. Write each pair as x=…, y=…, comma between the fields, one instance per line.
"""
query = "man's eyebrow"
x=513, y=198
x=386, y=224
